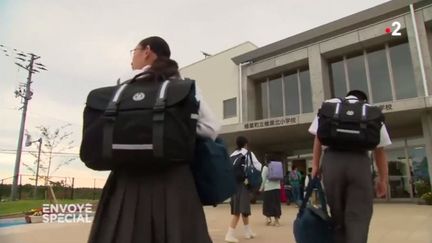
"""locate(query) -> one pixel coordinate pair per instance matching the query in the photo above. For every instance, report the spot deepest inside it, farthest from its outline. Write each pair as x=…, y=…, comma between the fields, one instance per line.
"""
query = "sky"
x=85, y=45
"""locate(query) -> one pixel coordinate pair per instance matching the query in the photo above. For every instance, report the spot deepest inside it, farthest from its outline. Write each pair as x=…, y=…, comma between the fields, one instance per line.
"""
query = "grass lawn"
x=15, y=207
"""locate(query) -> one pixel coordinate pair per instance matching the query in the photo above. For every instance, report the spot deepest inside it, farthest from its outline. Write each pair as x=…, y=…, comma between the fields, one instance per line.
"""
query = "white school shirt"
x=207, y=124
x=384, y=136
x=255, y=161
x=268, y=185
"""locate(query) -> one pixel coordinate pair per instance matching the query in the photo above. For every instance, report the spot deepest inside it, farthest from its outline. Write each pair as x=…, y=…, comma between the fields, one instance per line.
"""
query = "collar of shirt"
x=133, y=73
x=241, y=151
x=351, y=98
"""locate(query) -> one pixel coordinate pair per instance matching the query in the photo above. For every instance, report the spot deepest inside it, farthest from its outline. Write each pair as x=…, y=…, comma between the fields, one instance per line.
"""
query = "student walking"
x=240, y=202
x=153, y=205
x=271, y=198
x=345, y=167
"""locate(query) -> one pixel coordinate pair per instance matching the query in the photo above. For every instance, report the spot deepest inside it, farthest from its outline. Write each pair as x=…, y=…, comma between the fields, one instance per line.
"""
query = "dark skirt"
x=161, y=207
x=240, y=202
x=272, y=204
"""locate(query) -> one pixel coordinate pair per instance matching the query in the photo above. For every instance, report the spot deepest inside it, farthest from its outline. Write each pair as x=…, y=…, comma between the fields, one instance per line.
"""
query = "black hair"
x=163, y=67
x=157, y=45
x=359, y=94
x=241, y=142
x=293, y=167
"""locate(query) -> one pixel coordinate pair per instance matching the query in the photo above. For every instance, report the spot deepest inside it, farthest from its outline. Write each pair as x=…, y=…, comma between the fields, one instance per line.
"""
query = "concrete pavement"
x=391, y=223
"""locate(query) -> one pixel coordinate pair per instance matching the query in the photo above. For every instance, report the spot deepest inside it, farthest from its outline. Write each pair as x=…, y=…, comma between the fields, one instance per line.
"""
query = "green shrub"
x=422, y=187
x=427, y=197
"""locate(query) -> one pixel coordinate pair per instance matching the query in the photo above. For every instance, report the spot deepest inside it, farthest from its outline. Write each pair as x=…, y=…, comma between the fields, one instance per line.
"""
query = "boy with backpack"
x=349, y=128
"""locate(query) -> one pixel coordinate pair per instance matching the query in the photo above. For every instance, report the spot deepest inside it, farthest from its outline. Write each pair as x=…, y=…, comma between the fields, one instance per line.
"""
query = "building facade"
x=386, y=51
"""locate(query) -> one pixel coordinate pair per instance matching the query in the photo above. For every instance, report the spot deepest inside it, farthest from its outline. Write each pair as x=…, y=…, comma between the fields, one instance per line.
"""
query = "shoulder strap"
x=158, y=121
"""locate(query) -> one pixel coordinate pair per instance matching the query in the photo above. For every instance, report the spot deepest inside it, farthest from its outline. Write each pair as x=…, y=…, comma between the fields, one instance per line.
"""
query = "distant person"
x=271, y=198
x=154, y=206
x=288, y=189
x=240, y=202
x=308, y=178
x=295, y=180
x=345, y=168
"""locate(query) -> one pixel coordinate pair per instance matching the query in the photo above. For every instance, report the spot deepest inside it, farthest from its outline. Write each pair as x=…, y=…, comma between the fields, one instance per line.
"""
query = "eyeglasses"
x=133, y=50
x=139, y=48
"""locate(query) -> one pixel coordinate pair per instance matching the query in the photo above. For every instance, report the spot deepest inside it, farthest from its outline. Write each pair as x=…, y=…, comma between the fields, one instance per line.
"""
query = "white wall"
x=217, y=77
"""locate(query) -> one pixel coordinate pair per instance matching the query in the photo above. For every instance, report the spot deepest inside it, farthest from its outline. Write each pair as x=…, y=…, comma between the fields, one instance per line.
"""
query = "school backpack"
x=313, y=224
x=239, y=166
x=253, y=175
x=140, y=123
x=213, y=171
x=275, y=171
x=349, y=126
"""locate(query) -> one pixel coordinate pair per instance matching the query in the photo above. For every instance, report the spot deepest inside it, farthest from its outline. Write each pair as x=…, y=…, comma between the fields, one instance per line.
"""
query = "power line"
x=33, y=151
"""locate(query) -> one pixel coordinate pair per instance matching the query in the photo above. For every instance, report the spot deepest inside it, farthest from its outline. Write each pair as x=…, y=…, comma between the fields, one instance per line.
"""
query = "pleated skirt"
x=150, y=207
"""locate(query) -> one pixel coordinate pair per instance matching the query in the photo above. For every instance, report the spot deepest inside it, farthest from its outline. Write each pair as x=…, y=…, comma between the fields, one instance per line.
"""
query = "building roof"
x=219, y=53
x=354, y=21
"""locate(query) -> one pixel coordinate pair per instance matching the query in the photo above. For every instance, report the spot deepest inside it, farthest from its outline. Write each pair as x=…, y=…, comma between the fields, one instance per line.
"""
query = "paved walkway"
x=392, y=223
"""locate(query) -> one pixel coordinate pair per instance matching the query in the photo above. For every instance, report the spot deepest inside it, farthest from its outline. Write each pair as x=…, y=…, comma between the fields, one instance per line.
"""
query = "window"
x=285, y=95
x=379, y=76
x=292, y=101
x=384, y=74
x=357, y=74
x=339, y=81
x=264, y=100
x=306, y=94
x=403, y=72
x=230, y=108
x=275, y=97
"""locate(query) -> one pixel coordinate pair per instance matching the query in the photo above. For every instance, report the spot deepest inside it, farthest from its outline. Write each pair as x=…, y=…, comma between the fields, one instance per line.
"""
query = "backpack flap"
x=140, y=95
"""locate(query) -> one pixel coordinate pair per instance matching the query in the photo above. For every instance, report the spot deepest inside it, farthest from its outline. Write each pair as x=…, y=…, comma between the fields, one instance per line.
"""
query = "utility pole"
x=26, y=94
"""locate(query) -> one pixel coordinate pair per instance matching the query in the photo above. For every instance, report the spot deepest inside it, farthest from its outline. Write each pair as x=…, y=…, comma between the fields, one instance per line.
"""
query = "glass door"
x=400, y=183
x=418, y=169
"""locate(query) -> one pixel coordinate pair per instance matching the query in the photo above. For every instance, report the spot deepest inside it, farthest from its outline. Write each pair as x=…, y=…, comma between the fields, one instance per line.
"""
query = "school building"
x=272, y=93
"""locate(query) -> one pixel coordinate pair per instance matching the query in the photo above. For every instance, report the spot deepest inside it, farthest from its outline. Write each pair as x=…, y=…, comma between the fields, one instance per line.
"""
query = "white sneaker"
x=231, y=239
x=249, y=234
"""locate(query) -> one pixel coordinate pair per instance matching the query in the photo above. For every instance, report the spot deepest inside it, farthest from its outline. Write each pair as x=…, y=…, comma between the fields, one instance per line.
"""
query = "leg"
x=249, y=234
x=245, y=219
x=358, y=210
x=234, y=221
x=334, y=185
x=229, y=237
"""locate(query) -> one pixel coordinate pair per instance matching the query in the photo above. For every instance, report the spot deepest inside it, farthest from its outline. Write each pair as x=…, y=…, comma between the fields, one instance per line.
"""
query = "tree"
x=55, y=142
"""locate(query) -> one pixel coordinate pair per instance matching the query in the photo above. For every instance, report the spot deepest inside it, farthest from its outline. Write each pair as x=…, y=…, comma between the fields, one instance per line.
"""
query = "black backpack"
x=239, y=167
x=349, y=126
x=140, y=123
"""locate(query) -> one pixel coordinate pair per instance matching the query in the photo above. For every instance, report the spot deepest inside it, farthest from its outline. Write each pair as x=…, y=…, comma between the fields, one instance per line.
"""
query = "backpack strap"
x=314, y=183
x=158, y=120
x=110, y=116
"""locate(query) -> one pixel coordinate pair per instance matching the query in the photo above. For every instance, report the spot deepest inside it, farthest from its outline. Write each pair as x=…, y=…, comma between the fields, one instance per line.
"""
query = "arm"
x=207, y=124
x=317, y=151
x=381, y=163
x=264, y=177
x=255, y=162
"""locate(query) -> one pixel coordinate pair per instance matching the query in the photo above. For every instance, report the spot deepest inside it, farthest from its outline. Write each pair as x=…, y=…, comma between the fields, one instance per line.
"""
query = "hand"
x=381, y=188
